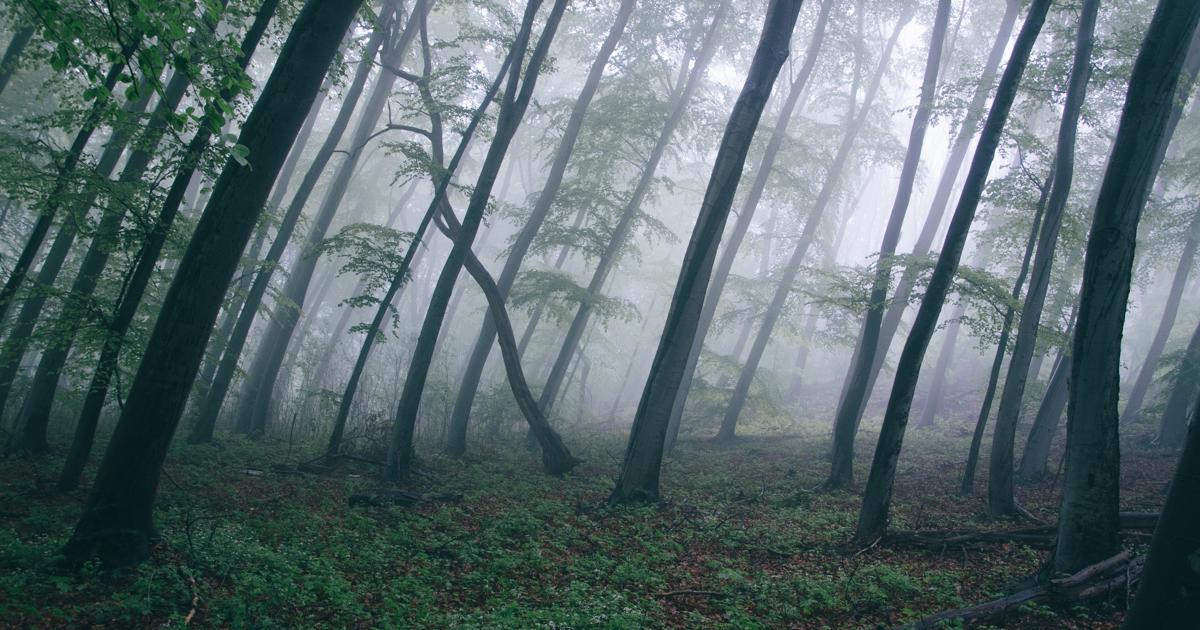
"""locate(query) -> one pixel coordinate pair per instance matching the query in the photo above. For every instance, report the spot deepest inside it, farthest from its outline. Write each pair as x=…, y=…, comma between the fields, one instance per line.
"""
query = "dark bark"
x=456, y=439
x=1001, y=499
x=876, y=502
x=253, y=414
x=12, y=54
x=742, y=225
x=620, y=234
x=937, y=388
x=117, y=522
x=945, y=188
x=1173, y=427
x=850, y=410
x=1045, y=424
x=210, y=408
x=639, y=477
x=517, y=94
x=1091, y=490
x=1169, y=593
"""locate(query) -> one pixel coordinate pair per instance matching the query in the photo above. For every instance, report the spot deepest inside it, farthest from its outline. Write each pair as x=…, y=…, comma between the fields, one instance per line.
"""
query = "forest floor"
x=742, y=540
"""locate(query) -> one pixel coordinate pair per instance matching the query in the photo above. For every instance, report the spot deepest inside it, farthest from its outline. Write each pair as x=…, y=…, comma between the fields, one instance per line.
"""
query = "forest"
x=600, y=314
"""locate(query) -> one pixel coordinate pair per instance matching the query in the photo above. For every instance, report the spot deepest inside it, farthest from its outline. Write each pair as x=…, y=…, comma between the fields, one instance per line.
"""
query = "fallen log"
x=1114, y=574
x=1041, y=537
x=379, y=498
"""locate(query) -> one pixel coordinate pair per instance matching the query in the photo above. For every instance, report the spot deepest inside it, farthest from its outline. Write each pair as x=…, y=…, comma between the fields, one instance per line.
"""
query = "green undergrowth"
x=743, y=539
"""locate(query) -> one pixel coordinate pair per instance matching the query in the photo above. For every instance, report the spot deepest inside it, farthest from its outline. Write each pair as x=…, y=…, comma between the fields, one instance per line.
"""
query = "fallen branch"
x=1039, y=537
x=1096, y=580
x=379, y=498
x=686, y=592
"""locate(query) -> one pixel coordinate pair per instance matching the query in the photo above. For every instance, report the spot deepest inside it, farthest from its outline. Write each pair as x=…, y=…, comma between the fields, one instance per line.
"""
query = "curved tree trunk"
x=1001, y=498
x=117, y=520
x=638, y=480
x=1173, y=426
x=1088, y=523
x=873, y=517
x=1045, y=424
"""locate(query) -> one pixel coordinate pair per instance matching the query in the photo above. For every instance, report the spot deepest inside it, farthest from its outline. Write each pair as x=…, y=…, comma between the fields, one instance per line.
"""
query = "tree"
x=1173, y=427
x=117, y=522
x=1169, y=593
x=456, y=437
x=850, y=409
x=1001, y=500
x=1088, y=517
x=638, y=480
x=873, y=517
x=12, y=54
x=517, y=94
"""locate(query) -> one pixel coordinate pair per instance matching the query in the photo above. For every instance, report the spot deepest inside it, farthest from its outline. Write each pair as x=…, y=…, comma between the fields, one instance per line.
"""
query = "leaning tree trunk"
x=1088, y=524
x=937, y=389
x=147, y=260
x=515, y=100
x=851, y=407
x=1001, y=498
x=740, y=227
x=12, y=54
x=210, y=408
x=638, y=480
x=1169, y=593
x=1173, y=426
x=117, y=520
x=945, y=188
x=456, y=438
x=253, y=414
x=873, y=517
x=1045, y=424
x=620, y=234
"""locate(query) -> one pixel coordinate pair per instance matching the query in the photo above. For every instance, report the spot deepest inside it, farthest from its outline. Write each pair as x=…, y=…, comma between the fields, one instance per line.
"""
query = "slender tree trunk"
x=516, y=99
x=1001, y=498
x=742, y=225
x=851, y=408
x=210, y=409
x=117, y=522
x=937, y=389
x=1045, y=424
x=257, y=390
x=147, y=260
x=832, y=178
x=945, y=188
x=1169, y=593
x=12, y=54
x=1173, y=426
x=608, y=258
x=873, y=517
x=1088, y=524
x=639, y=477
x=456, y=438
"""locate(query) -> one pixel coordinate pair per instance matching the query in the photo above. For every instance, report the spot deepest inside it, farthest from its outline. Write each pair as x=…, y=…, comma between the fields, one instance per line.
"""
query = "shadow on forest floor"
x=741, y=541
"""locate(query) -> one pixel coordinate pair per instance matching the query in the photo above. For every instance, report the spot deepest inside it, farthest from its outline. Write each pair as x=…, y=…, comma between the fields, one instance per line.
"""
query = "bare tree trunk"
x=937, y=389
x=873, y=517
x=1001, y=498
x=1173, y=426
x=12, y=54
x=117, y=521
x=638, y=480
x=1045, y=424
x=1088, y=523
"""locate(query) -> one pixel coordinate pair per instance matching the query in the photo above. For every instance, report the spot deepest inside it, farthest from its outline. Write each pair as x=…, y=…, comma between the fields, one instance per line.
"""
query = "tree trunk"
x=456, y=438
x=117, y=522
x=851, y=408
x=12, y=54
x=517, y=94
x=1088, y=524
x=937, y=389
x=253, y=412
x=945, y=188
x=608, y=258
x=1001, y=499
x=1045, y=424
x=147, y=260
x=774, y=310
x=1173, y=426
x=1169, y=593
x=740, y=227
x=210, y=409
x=638, y=480
x=873, y=517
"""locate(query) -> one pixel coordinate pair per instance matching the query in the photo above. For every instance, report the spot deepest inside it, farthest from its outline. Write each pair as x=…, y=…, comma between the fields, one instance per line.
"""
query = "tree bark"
x=1001, y=498
x=1173, y=426
x=456, y=439
x=1045, y=424
x=1088, y=516
x=117, y=523
x=873, y=517
x=937, y=389
x=639, y=477
x=12, y=54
